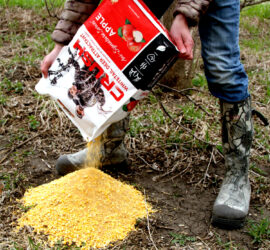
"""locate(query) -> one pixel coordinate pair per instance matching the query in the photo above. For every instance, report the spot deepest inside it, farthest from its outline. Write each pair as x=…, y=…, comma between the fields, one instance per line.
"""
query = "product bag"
x=112, y=62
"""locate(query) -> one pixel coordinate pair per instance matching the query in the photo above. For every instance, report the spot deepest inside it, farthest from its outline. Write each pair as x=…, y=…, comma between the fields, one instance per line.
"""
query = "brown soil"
x=180, y=180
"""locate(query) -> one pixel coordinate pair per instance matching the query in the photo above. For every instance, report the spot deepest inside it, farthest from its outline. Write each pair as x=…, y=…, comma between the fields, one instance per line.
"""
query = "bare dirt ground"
x=179, y=174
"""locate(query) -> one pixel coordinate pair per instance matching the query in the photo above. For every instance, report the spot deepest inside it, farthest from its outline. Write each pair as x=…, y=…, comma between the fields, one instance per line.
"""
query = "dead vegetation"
x=179, y=167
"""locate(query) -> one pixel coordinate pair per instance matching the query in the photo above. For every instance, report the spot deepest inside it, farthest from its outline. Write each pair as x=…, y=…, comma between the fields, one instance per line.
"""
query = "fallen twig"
x=47, y=164
x=4, y=30
x=19, y=145
x=155, y=178
x=148, y=223
x=144, y=160
x=178, y=173
x=49, y=12
x=256, y=174
x=182, y=90
x=181, y=93
x=206, y=172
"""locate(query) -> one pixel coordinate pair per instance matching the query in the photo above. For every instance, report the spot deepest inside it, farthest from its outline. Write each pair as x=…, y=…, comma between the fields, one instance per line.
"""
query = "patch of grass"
x=181, y=239
x=257, y=44
x=3, y=99
x=219, y=148
x=26, y=208
x=175, y=137
x=254, y=21
x=61, y=246
x=152, y=99
x=199, y=81
x=251, y=28
x=265, y=96
x=3, y=122
x=261, y=137
x=20, y=156
x=261, y=10
x=33, y=122
x=20, y=135
x=11, y=180
x=259, y=231
x=262, y=187
x=225, y=245
x=28, y=4
x=268, y=90
x=9, y=86
x=256, y=169
x=16, y=246
x=33, y=245
x=37, y=96
x=191, y=113
x=137, y=125
x=157, y=116
x=41, y=46
x=14, y=25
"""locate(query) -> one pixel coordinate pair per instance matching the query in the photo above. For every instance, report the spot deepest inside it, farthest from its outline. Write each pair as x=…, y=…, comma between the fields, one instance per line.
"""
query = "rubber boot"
x=232, y=203
x=113, y=151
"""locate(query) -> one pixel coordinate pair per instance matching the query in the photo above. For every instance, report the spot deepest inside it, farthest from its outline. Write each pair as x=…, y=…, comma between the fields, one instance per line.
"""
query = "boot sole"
x=226, y=223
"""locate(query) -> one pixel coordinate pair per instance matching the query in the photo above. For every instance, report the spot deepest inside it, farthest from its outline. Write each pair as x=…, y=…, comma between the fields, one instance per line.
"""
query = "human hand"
x=49, y=59
x=181, y=35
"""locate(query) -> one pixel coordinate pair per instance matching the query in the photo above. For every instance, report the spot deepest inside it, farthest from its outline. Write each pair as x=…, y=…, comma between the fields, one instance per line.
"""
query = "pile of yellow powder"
x=86, y=207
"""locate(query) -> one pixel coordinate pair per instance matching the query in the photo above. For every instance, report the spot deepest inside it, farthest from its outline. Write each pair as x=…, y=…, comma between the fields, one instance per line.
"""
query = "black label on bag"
x=152, y=63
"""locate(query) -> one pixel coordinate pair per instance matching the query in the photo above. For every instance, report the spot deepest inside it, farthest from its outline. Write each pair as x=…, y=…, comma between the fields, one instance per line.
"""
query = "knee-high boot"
x=232, y=204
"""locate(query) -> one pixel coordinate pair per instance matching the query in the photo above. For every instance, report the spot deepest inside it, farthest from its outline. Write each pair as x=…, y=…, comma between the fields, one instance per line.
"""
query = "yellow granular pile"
x=86, y=206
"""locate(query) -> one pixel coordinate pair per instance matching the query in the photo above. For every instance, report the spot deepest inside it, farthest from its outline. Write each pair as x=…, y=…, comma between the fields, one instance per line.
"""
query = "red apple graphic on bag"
x=133, y=37
x=133, y=46
x=127, y=31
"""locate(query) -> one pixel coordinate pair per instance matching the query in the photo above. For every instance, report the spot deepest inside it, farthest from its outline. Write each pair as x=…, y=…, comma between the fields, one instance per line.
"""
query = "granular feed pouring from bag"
x=87, y=208
x=113, y=61
x=94, y=153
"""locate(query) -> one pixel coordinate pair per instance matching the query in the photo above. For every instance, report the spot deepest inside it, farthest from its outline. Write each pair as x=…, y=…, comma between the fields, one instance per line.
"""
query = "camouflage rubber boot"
x=232, y=204
x=113, y=151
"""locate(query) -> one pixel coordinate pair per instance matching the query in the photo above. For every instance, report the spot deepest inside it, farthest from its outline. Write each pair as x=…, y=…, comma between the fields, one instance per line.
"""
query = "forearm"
x=191, y=9
x=75, y=13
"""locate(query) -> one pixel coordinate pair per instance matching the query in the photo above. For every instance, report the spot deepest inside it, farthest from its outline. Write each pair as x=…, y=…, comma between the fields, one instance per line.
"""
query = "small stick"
x=180, y=91
x=165, y=174
x=3, y=31
x=47, y=164
x=196, y=104
x=256, y=174
x=206, y=172
x=144, y=161
x=18, y=146
x=148, y=224
x=47, y=8
x=178, y=174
